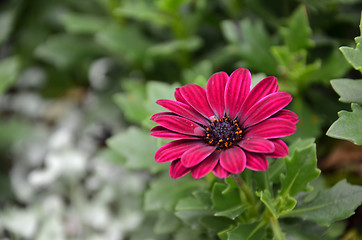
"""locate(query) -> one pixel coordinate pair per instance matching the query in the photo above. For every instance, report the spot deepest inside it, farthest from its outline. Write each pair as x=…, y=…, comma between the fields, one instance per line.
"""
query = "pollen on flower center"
x=223, y=133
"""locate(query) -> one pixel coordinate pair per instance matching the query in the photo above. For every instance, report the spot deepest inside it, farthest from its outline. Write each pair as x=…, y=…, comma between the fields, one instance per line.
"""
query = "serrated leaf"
x=165, y=193
x=275, y=170
x=354, y=55
x=348, y=125
x=266, y=198
x=349, y=90
x=301, y=169
x=253, y=231
x=9, y=68
x=233, y=213
x=138, y=149
x=336, y=203
x=296, y=35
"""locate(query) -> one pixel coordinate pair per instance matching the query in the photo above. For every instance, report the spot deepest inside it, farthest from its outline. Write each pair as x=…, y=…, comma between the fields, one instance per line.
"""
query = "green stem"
x=278, y=234
x=244, y=188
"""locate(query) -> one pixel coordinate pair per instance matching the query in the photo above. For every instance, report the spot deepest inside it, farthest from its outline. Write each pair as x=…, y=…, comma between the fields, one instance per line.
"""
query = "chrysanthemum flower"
x=224, y=128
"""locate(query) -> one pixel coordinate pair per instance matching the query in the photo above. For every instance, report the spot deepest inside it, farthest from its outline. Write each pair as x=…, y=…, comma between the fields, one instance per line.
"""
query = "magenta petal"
x=196, y=97
x=215, y=92
x=156, y=115
x=256, y=161
x=162, y=132
x=173, y=150
x=257, y=145
x=180, y=125
x=179, y=97
x=183, y=110
x=271, y=128
x=287, y=115
x=195, y=155
x=177, y=170
x=265, y=87
x=220, y=172
x=233, y=160
x=266, y=107
x=236, y=90
x=206, y=166
x=281, y=149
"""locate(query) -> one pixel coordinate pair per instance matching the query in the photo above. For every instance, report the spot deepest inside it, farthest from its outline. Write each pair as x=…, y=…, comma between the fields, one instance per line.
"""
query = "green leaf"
x=216, y=224
x=266, y=198
x=234, y=212
x=138, y=149
x=132, y=101
x=354, y=55
x=83, y=23
x=165, y=193
x=348, y=125
x=126, y=43
x=336, y=203
x=275, y=170
x=167, y=49
x=167, y=222
x=221, y=200
x=187, y=233
x=66, y=51
x=296, y=35
x=349, y=90
x=301, y=169
x=253, y=231
x=159, y=90
x=9, y=68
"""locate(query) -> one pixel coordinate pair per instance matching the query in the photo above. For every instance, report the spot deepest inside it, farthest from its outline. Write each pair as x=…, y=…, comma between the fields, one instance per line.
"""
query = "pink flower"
x=224, y=128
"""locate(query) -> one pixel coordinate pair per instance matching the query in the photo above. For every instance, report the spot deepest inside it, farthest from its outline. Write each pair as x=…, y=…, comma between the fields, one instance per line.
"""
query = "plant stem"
x=278, y=234
x=244, y=188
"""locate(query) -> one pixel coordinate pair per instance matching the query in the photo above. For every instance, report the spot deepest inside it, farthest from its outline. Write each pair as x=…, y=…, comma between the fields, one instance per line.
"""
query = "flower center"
x=223, y=133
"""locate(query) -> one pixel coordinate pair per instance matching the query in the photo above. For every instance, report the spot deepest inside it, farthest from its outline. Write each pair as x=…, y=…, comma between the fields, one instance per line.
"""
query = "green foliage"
x=336, y=203
x=354, y=55
x=8, y=72
x=128, y=145
x=348, y=125
x=349, y=90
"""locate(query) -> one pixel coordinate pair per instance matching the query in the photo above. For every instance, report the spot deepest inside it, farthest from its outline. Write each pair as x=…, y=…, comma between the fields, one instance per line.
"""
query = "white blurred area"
x=61, y=173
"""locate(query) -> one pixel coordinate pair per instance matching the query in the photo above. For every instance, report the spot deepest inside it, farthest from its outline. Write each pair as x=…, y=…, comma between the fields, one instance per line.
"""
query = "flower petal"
x=206, y=166
x=215, y=92
x=156, y=115
x=196, y=97
x=179, y=97
x=180, y=125
x=287, y=115
x=162, y=132
x=177, y=170
x=256, y=161
x=173, y=150
x=236, y=90
x=197, y=154
x=257, y=145
x=265, y=87
x=183, y=110
x=233, y=160
x=266, y=107
x=271, y=128
x=281, y=149
x=220, y=172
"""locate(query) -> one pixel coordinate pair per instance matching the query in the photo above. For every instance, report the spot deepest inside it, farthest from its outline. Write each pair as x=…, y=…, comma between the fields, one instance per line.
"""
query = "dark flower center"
x=223, y=133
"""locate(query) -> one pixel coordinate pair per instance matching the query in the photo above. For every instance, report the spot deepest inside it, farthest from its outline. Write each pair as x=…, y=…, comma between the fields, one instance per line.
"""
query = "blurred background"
x=79, y=81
